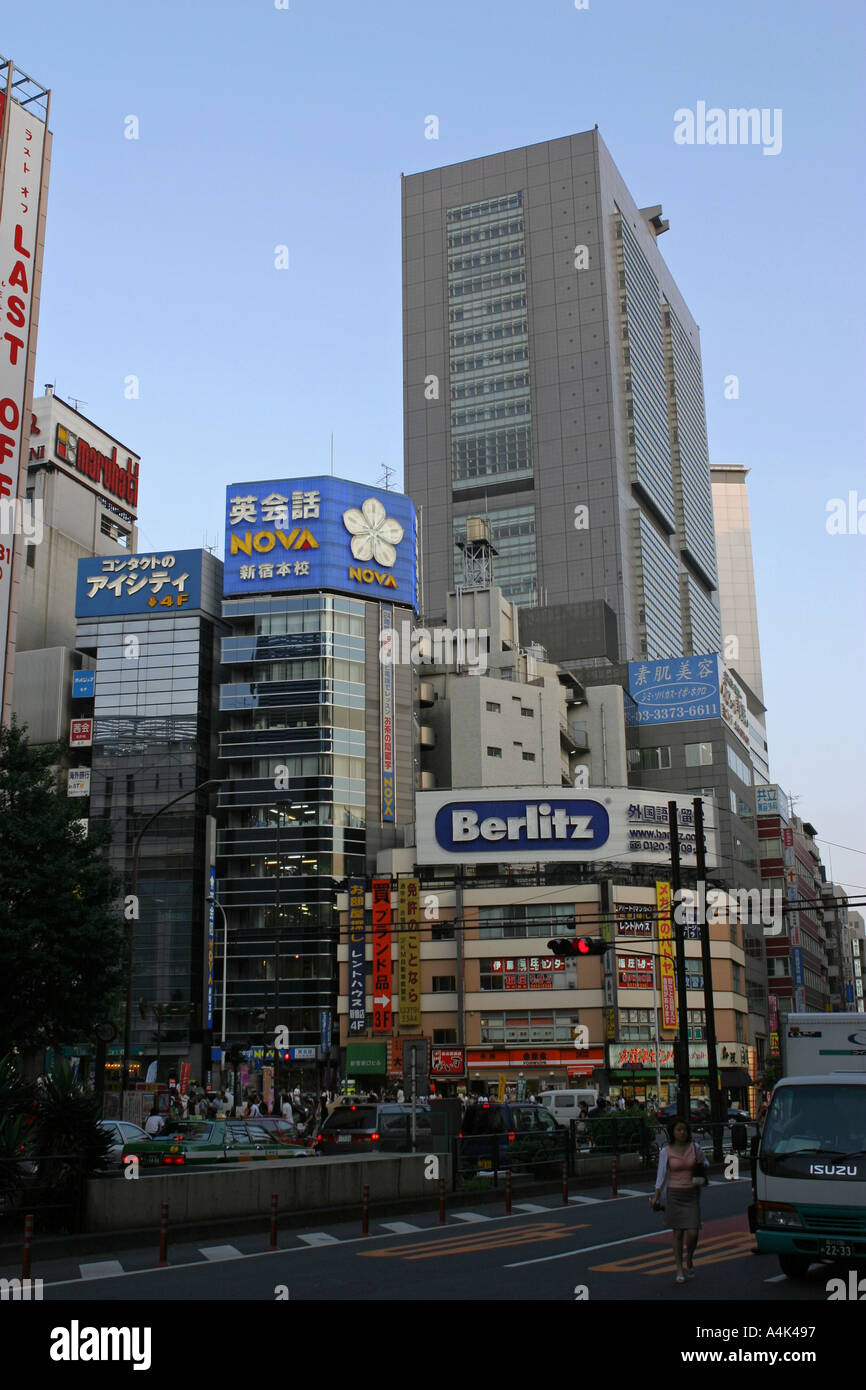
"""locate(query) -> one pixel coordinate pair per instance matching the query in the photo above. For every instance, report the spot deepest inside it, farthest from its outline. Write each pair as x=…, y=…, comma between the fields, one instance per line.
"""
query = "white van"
x=565, y=1105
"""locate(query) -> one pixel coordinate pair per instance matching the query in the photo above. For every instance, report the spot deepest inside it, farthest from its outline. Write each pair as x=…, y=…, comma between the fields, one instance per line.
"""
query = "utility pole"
x=716, y=1116
x=681, y=1048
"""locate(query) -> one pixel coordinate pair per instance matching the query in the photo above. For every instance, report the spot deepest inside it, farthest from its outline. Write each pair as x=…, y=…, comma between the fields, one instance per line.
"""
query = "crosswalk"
x=91, y=1270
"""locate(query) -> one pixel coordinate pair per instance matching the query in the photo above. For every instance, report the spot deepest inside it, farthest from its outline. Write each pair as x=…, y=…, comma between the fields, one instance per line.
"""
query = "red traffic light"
x=579, y=946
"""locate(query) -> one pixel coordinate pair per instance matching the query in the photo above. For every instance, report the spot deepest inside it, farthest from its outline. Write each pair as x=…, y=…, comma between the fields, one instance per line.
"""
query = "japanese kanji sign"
x=357, y=957
x=666, y=956
x=409, y=944
x=292, y=535
x=160, y=584
x=382, y=999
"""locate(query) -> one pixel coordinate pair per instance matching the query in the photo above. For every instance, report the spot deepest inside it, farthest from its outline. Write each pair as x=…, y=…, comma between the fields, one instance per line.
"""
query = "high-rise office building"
x=552, y=384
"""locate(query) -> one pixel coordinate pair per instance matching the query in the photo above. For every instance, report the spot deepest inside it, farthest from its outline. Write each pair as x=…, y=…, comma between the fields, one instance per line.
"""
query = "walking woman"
x=681, y=1175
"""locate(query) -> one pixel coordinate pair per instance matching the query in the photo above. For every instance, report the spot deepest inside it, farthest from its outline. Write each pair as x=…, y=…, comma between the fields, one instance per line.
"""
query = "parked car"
x=509, y=1134
x=122, y=1132
x=365, y=1126
x=565, y=1106
x=195, y=1142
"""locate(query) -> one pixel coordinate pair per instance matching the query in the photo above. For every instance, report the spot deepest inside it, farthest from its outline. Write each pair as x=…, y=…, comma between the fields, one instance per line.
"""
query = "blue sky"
x=261, y=127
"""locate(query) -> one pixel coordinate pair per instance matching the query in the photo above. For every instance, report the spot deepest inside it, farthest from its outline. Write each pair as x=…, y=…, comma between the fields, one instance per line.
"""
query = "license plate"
x=485, y=1163
x=836, y=1247
x=344, y=1138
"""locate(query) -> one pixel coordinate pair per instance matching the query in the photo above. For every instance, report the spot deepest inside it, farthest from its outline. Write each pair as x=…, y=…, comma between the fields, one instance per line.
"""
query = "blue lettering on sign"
x=496, y=827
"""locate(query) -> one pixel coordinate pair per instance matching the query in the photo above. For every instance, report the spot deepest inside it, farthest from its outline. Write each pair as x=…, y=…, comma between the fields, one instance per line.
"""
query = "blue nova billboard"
x=531, y=825
x=297, y=534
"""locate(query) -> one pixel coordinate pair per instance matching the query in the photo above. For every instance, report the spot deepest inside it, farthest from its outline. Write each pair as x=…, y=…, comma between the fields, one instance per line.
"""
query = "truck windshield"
x=827, y=1119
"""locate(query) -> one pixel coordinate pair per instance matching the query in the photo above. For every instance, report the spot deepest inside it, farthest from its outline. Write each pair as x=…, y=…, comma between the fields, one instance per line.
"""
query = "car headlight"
x=779, y=1217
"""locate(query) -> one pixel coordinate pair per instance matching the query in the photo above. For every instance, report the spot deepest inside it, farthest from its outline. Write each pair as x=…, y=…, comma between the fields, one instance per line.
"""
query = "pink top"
x=681, y=1167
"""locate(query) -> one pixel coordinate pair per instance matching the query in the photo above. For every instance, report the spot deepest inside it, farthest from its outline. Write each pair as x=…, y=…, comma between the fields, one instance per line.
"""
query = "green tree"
x=61, y=929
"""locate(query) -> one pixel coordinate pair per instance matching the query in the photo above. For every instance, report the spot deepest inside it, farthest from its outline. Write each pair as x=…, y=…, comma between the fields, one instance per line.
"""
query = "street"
x=598, y=1248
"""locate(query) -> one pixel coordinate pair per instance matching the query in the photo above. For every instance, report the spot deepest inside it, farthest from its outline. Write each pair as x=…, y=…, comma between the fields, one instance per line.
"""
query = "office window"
x=493, y=707
x=529, y=757
x=698, y=754
x=736, y=764
x=697, y=1024
x=527, y=713
x=444, y=984
x=649, y=759
x=444, y=1036
x=494, y=752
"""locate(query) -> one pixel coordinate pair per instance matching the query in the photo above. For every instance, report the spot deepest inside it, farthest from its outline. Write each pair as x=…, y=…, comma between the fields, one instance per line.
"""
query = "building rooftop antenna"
x=387, y=475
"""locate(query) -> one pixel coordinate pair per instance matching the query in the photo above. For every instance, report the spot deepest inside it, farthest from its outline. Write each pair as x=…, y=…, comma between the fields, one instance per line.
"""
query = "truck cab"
x=810, y=1173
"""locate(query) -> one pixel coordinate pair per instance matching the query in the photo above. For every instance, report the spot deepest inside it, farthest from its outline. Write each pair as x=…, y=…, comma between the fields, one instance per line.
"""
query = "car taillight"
x=511, y=1136
x=374, y=1137
x=318, y=1138
x=173, y=1158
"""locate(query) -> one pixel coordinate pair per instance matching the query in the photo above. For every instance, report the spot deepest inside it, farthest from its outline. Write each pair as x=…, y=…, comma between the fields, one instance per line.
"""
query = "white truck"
x=810, y=1170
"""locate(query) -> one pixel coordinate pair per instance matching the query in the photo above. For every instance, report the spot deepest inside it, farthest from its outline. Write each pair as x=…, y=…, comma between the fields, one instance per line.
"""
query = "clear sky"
x=261, y=127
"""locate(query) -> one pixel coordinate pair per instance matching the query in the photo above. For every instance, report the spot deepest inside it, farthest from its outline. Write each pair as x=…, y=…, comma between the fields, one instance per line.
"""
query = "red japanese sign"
x=380, y=890
x=80, y=733
x=448, y=1061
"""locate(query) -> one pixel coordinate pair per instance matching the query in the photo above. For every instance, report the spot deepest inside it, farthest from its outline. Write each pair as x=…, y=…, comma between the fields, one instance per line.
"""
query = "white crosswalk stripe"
x=587, y=1200
x=319, y=1238
x=469, y=1216
x=401, y=1228
x=101, y=1269
x=631, y=1192
x=529, y=1206
x=219, y=1252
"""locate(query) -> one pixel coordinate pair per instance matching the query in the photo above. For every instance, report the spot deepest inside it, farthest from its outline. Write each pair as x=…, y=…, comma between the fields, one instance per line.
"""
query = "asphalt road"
x=597, y=1248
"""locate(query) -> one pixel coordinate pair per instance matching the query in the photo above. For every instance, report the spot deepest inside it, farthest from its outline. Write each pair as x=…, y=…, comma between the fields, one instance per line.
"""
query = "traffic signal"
x=579, y=946
x=235, y=1054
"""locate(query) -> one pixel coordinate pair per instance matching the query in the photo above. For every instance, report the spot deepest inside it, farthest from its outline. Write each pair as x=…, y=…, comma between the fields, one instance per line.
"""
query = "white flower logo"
x=374, y=534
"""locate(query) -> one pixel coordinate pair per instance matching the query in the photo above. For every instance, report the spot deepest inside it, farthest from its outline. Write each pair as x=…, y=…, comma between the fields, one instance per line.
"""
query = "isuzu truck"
x=810, y=1171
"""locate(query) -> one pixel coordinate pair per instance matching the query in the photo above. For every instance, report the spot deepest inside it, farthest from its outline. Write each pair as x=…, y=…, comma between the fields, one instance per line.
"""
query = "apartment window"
x=649, y=759
x=493, y=707
x=698, y=754
x=444, y=1036
x=529, y=757
x=697, y=1024
x=494, y=752
x=444, y=984
x=527, y=713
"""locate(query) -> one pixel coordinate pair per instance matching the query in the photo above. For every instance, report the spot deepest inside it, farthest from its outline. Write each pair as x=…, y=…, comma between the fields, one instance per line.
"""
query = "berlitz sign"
x=523, y=826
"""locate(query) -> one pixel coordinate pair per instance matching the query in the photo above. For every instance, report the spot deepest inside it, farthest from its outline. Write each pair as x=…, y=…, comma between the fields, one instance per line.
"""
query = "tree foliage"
x=61, y=927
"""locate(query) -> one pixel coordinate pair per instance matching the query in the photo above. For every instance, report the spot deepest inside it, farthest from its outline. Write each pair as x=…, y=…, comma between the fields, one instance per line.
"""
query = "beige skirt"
x=683, y=1208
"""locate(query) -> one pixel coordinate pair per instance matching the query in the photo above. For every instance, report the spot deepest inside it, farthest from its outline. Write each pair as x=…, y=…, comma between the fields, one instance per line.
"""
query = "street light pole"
x=210, y=785
x=221, y=909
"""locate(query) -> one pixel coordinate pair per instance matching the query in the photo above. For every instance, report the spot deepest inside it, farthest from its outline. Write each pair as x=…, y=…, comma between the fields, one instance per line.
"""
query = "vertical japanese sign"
x=381, y=899
x=666, y=956
x=409, y=947
x=387, y=719
x=774, y=1025
x=211, y=909
x=357, y=956
x=21, y=158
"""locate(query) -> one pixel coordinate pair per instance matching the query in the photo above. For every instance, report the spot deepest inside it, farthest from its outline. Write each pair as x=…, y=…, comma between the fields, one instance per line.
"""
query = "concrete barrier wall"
x=122, y=1204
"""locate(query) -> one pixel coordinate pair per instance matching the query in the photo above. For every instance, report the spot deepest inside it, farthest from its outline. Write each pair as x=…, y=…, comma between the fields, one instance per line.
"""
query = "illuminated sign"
x=211, y=907
x=297, y=534
x=382, y=999
x=357, y=985
x=552, y=823
x=447, y=1061
x=157, y=584
x=99, y=467
x=387, y=730
x=409, y=949
x=666, y=955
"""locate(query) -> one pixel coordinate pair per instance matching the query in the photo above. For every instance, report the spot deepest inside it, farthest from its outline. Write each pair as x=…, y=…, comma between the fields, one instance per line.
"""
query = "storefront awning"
x=366, y=1057
x=734, y=1078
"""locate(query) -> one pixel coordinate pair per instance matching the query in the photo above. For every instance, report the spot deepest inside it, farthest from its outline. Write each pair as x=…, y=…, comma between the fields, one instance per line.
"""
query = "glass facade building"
x=154, y=737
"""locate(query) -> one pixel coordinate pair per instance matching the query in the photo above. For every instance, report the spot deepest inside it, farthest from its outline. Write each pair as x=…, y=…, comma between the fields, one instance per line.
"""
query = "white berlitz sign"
x=526, y=825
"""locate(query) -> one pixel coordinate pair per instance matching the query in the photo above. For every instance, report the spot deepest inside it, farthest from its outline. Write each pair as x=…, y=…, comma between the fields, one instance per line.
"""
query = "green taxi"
x=195, y=1142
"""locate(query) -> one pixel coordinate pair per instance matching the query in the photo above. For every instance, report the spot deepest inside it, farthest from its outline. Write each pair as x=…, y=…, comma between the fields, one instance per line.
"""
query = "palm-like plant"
x=67, y=1126
x=16, y=1102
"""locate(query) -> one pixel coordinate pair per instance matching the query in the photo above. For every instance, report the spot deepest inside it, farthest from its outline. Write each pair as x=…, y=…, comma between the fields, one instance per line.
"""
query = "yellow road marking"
x=468, y=1242
x=715, y=1250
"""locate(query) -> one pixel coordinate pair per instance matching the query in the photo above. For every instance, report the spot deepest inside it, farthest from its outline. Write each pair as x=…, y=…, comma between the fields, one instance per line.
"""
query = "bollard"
x=25, y=1254
x=365, y=1210
x=441, y=1201
x=565, y=1184
x=273, y=1244
x=508, y=1192
x=613, y=1176
x=163, y=1234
